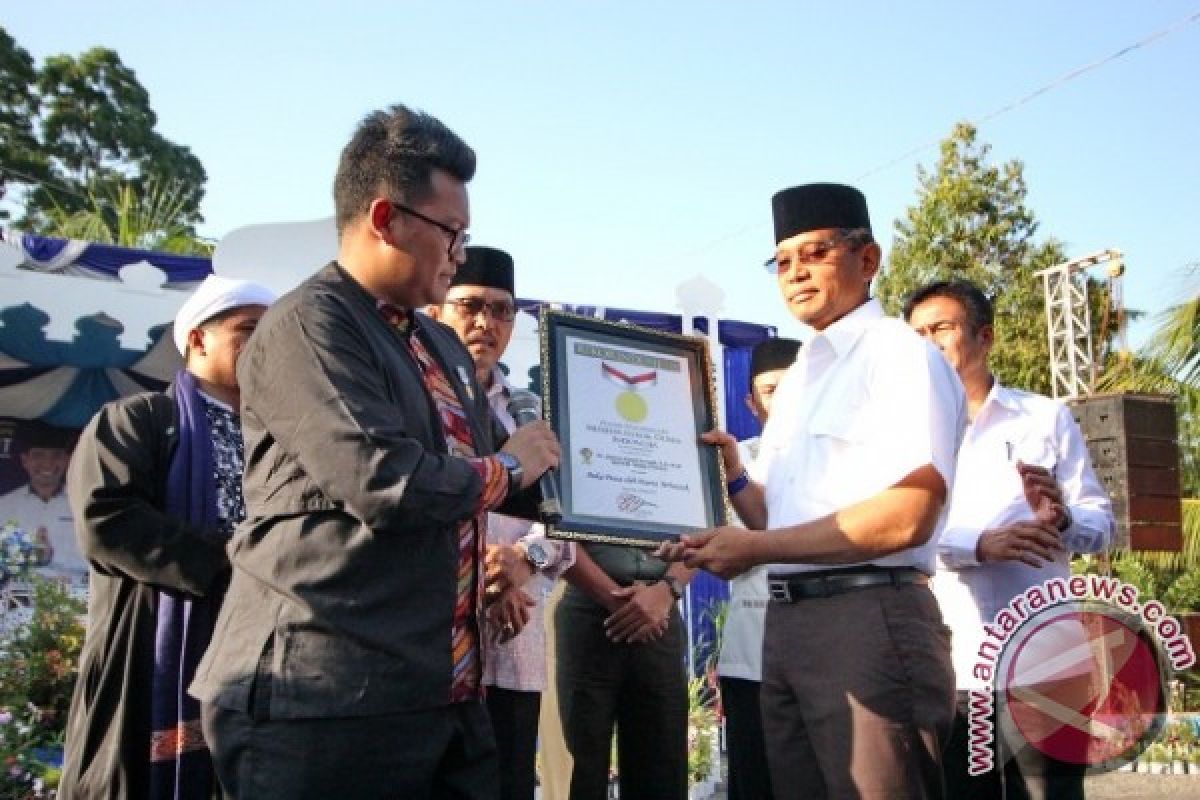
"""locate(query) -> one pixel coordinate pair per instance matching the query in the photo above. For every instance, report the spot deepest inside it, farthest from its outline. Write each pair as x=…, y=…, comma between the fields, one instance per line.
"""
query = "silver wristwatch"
x=536, y=555
x=515, y=471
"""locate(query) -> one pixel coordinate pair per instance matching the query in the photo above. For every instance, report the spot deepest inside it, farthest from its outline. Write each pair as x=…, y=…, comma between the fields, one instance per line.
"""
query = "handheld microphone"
x=525, y=408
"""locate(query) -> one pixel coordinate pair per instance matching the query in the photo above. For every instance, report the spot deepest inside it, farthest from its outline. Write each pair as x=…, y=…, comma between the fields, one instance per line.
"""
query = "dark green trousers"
x=640, y=690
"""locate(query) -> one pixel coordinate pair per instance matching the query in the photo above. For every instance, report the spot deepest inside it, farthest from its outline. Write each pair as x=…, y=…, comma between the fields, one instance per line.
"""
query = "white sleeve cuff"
x=958, y=547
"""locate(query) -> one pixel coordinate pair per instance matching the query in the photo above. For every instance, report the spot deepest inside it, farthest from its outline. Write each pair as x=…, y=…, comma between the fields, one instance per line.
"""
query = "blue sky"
x=625, y=147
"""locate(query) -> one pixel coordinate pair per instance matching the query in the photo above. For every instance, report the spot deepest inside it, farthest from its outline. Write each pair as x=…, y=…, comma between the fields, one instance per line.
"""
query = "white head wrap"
x=215, y=296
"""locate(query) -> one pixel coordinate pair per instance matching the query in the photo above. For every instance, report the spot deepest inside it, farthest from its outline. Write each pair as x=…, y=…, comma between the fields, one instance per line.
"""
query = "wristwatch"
x=674, y=585
x=515, y=471
x=536, y=555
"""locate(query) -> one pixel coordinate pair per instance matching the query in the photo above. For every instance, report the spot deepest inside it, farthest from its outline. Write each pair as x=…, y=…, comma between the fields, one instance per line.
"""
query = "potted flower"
x=703, y=753
x=39, y=661
x=18, y=553
x=1155, y=759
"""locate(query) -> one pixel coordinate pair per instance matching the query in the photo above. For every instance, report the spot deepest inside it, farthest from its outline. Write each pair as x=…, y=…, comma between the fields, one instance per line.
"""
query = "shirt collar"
x=843, y=334
x=1001, y=396
x=500, y=384
x=62, y=490
x=212, y=401
x=402, y=320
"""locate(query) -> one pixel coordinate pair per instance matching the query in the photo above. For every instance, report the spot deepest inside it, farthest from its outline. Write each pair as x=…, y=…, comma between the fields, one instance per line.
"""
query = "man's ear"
x=987, y=336
x=434, y=311
x=195, y=342
x=379, y=216
x=872, y=256
x=749, y=401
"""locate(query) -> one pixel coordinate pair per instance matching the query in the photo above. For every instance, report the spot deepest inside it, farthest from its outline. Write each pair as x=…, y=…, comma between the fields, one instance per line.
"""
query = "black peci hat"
x=772, y=354
x=35, y=433
x=818, y=206
x=486, y=266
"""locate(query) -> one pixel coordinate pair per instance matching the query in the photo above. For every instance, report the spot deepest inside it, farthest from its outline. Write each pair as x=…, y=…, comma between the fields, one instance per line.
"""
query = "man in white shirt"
x=1025, y=498
x=740, y=664
x=40, y=507
x=856, y=464
x=522, y=562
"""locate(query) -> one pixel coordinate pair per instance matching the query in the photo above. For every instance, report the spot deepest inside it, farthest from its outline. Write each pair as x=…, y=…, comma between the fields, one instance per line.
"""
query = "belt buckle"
x=781, y=590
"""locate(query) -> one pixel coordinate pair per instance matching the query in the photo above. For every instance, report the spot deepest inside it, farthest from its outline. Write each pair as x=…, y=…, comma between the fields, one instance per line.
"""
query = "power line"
x=1036, y=93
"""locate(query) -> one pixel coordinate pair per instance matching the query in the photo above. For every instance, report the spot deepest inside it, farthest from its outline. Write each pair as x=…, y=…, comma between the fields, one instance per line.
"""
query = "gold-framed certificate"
x=628, y=405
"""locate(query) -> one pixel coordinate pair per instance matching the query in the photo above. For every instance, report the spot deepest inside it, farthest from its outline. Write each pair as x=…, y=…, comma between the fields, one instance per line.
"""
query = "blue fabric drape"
x=107, y=260
x=94, y=350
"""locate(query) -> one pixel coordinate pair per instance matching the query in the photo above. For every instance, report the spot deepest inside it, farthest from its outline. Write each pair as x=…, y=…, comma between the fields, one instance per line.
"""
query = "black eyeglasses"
x=458, y=236
x=813, y=252
x=472, y=306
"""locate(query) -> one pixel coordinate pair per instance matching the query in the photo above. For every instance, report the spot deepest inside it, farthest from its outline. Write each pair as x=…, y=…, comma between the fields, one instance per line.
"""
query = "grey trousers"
x=857, y=695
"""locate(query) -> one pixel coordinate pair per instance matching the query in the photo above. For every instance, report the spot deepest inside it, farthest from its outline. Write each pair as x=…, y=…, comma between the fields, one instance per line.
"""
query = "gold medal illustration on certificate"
x=630, y=405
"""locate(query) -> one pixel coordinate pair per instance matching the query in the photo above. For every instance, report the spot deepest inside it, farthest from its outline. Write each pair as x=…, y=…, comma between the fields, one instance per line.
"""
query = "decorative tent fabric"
x=104, y=261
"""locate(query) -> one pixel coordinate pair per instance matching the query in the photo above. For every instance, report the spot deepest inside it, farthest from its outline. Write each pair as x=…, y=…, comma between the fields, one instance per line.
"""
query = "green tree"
x=89, y=133
x=971, y=222
x=148, y=219
x=21, y=157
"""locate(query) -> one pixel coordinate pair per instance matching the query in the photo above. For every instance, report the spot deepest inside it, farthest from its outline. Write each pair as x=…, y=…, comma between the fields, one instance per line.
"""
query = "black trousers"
x=443, y=753
x=1028, y=775
x=640, y=689
x=515, y=723
x=749, y=778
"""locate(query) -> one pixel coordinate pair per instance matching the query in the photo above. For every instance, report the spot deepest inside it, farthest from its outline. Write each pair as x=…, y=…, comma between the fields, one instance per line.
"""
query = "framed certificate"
x=628, y=405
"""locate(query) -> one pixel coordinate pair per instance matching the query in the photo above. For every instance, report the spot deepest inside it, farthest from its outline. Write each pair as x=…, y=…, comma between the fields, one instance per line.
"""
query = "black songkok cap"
x=486, y=266
x=771, y=354
x=818, y=206
x=35, y=433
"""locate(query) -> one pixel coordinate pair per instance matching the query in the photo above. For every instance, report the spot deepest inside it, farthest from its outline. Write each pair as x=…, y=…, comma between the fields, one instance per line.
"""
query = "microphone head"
x=524, y=402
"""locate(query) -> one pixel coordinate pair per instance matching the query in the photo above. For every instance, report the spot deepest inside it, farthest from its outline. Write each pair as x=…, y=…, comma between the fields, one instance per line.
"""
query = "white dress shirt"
x=520, y=663
x=867, y=402
x=32, y=514
x=742, y=636
x=1011, y=426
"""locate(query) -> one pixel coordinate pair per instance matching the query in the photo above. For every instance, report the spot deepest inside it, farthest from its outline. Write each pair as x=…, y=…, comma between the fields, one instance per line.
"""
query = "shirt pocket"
x=840, y=447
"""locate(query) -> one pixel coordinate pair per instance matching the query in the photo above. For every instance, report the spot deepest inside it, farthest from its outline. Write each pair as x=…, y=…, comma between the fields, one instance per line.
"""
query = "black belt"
x=807, y=585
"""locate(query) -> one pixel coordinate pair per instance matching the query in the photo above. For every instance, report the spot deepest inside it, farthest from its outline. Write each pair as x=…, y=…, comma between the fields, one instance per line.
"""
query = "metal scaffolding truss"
x=1069, y=323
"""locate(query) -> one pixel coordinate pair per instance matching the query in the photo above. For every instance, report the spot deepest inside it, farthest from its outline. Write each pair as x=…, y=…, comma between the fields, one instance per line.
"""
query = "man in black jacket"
x=347, y=660
x=155, y=486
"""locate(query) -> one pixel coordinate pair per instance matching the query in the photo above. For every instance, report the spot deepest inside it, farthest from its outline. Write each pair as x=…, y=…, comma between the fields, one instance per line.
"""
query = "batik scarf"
x=180, y=765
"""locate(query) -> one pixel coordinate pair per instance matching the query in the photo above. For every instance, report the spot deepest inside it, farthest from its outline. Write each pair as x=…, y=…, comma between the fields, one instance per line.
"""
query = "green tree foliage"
x=84, y=131
x=21, y=156
x=971, y=222
x=149, y=220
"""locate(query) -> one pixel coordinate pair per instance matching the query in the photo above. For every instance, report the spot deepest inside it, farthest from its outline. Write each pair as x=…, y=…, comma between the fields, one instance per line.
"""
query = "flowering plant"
x=38, y=667
x=18, y=553
x=702, y=732
x=24, y=769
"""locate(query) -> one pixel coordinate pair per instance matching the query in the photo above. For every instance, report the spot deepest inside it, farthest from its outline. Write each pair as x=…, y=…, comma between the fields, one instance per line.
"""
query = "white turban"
x=214, y=296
